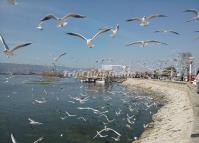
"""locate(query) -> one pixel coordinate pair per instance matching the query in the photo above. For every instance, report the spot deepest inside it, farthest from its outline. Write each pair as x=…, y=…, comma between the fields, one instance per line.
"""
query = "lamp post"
x=190, y=68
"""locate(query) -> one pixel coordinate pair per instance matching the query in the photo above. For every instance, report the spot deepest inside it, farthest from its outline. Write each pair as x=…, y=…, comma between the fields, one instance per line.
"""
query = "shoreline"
x=173, y=121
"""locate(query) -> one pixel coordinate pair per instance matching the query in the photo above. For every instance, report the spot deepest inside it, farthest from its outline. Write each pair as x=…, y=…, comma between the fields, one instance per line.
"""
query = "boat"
x=100, y=81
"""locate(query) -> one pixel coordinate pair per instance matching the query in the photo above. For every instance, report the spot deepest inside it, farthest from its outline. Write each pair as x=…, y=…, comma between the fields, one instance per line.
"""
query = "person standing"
x=197, y=81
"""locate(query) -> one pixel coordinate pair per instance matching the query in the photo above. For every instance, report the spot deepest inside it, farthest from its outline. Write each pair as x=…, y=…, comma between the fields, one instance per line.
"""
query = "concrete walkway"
x=194, y=97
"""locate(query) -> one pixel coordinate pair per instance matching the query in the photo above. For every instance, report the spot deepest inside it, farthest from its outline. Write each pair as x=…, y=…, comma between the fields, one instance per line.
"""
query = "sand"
x=173, y=122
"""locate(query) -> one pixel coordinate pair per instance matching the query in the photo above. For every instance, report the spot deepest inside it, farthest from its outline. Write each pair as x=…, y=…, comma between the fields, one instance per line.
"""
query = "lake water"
x=19, y=97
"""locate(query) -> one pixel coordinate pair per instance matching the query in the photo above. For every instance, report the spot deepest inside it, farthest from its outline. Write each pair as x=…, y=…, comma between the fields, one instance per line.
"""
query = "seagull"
x=89, y=42
x=58, y=57
x=144, y=21
x=7, y=50
x=167, y=31
x=40, y=101
x=196, y=12
x=32, y=122
x=146, y=43
x=119, y=112
x=60, y=21
x=69, y=115
x=82, y=118
x=12, y=138
x=114, y=30
x=38, y=140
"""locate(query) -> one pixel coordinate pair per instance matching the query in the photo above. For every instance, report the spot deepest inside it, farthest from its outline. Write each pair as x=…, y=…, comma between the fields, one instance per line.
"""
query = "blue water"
x=17, y=104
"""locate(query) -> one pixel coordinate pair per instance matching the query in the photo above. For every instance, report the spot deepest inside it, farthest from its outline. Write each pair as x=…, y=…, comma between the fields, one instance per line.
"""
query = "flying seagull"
x=144, y=21
x=114, y=30
x=7, y=50
x=167, y=31
x=196, y=12
x=38, y=140
x=89, y=42
x=60, y=21
x=32, y=122
x=146, y=43
x=58, y=57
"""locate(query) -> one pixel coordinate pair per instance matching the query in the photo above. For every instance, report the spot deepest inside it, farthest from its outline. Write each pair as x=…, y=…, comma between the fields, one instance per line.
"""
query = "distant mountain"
x=21, y=69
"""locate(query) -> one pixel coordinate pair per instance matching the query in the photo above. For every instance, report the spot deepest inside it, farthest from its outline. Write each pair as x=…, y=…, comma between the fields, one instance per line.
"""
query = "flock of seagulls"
x=113, y=123
x=61, y=22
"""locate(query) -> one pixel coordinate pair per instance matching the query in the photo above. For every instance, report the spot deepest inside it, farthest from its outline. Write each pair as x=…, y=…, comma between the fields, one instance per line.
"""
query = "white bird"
x=109, y=121
x=32, y=122
x=82, y=118
x=167, y=31
x=58, y=57
x=144, y=21
x=60, y=21
x=38, y=140
x=92, y=109
x=7, y=50
x=114, y=30
x=196, y=12
x=69, y=115
x=40, y=101
x=116, y=139
x=118, y=113
x=146, y=43
x=13, y=138
x=89, y=42
x=100, y=135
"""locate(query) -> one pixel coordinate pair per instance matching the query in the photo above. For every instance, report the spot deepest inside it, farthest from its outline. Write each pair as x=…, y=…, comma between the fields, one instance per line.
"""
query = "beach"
x=173, y=122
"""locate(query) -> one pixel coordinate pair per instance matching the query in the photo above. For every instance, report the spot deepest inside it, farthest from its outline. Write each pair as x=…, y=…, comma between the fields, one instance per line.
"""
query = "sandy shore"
x=173, y=122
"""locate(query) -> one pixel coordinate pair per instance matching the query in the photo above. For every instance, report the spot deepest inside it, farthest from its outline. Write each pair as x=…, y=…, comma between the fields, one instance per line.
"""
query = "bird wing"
x=100, y=32
x=156, y=15
x=133, y=43
x=155, y=42
x=117, y=27
x=193, y=11
x=73, y=15
x=134, y=19
x=78, y=35
x=105, y=27
x=4, y=43
x=48, y=17
x=13, y=139
x=157, y=31
x=20, y=46
x=174, y=32
x=57, y=58
x=197, y=31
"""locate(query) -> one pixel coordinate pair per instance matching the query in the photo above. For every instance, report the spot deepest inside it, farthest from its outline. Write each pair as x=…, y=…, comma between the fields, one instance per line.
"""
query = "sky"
x=18, y=25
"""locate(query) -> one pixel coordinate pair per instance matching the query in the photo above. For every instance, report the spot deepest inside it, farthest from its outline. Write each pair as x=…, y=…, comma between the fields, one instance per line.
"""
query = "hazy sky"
x=18, y=24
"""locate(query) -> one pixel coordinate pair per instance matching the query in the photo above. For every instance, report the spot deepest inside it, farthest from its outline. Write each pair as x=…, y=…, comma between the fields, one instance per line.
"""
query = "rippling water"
x=17, y=104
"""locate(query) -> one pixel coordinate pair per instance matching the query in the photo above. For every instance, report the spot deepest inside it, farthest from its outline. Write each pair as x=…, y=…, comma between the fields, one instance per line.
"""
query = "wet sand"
x=173, y=122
